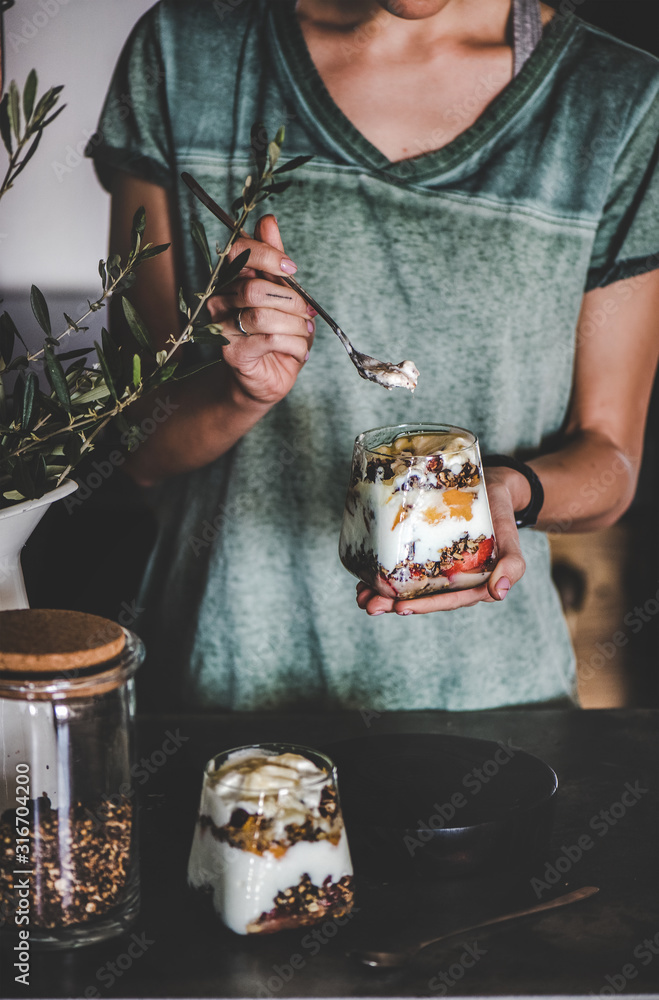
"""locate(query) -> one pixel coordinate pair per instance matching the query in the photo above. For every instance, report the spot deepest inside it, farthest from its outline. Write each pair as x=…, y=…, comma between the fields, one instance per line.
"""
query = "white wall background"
x=54, y=222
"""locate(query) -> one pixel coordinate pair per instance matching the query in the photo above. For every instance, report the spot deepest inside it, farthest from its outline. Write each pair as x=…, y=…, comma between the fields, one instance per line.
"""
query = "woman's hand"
x=506, y=493
x=266, y=360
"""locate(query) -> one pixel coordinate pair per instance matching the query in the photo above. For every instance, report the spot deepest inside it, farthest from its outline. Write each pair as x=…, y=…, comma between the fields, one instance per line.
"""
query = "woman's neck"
x=410, y=85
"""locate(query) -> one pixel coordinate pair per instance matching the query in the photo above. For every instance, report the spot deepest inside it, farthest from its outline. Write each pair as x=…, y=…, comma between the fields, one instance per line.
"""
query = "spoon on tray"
x=385, y=373
x=393, y=959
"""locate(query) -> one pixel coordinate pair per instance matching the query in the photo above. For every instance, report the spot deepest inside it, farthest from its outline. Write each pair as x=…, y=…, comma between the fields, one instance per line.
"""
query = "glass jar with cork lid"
x=68, y=847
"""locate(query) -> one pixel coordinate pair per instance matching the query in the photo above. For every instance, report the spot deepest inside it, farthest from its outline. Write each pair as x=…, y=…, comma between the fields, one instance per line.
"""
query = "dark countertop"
x=606, y=946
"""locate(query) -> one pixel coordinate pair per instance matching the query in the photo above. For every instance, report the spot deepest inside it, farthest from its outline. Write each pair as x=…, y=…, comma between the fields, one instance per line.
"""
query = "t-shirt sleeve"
x=627, y=239
x=133, y=131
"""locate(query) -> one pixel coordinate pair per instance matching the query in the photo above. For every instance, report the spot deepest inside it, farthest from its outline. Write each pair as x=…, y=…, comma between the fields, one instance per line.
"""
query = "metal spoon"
x=385, y=373
x=392, y=959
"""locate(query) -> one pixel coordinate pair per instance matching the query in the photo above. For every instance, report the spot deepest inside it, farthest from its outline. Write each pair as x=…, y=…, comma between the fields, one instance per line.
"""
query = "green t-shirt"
x=472, y=260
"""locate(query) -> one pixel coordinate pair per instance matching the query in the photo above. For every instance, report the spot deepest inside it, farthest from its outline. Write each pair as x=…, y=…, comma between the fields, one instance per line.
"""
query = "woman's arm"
x=212, y=410
x=591, y=480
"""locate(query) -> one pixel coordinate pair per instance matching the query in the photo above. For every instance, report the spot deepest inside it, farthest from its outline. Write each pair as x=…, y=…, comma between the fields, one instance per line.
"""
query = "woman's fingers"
x=289, y=317
x=375, y=604
x=258, y=293
x=267, y=231
x=243, y=353
x=269, y=329
x=442, y=602
x=510, y=565
x=371, y=602
x=271, y=321
x=263, y=255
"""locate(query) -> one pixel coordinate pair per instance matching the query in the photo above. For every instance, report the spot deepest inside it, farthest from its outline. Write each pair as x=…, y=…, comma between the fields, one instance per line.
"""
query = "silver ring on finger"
x=240, y=325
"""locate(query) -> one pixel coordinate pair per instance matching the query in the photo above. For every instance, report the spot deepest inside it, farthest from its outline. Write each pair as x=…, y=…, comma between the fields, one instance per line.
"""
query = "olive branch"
x=45, y=432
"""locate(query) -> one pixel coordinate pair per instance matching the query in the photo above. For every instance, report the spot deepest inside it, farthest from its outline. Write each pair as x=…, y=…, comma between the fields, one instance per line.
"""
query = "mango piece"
x=403, y=512
x=459, y=502
x=433, y=515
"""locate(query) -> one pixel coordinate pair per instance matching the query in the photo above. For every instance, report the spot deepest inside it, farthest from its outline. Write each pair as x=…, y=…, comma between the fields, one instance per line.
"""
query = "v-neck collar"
x=320, y=111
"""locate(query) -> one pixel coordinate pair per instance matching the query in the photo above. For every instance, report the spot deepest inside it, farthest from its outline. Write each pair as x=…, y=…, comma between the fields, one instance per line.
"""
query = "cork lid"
x=38, y=641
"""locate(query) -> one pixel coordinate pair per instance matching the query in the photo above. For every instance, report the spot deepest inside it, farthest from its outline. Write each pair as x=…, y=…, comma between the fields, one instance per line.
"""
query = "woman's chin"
x=413, y=10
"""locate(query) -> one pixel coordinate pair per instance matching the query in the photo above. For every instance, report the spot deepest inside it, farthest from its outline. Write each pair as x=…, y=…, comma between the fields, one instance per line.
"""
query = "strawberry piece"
x=468, y=562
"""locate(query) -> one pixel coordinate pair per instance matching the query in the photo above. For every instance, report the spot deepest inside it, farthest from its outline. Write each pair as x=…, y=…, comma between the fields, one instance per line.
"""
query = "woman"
x=491, y=214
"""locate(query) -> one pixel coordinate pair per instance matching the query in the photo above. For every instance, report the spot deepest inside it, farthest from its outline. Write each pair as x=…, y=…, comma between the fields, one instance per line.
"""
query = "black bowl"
x=446, y=805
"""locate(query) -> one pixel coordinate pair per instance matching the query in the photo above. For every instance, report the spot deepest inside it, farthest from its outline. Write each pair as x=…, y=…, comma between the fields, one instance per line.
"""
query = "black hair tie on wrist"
x=529, y=516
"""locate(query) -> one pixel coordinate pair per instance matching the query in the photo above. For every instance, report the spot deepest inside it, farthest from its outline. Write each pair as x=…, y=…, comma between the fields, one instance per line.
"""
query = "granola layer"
x=79, y=861
x=305, y=904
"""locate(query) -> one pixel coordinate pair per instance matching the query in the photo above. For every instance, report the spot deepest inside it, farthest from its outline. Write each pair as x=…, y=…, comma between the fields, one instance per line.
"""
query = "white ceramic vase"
x=16, y=525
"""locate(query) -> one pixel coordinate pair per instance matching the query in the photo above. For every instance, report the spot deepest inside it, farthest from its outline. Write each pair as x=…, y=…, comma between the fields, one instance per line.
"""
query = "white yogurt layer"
x=245, y=885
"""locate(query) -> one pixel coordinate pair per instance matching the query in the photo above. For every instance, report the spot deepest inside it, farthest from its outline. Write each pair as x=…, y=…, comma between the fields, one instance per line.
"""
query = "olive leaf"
x=258, y=146
x=293, y=164
x=78, y=352
x=231, y=269
x=278, y=188
x=75, y=372
x=5, y=124
x=114, y=266
x=7, y=325
x=52, y=118
x=7, y=337
x=198, y=232
x=15, y=109
x=139, y=221
x=208, y=335
x=28, y=411
x=161, y=375
x=72, y=325
x=28, y=156
x=18, y=363
x=273, y=153
x=46, y=104
x=29, y=94
x=149, y=251
x=111, y=351
x=71, y=448
x=137, y=327
x=40, y=309
x=137, y=231
x=107, y=374
x=56, y=377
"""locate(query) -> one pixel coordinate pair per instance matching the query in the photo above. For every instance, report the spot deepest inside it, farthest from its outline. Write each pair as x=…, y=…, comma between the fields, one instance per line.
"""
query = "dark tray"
x=446, y=805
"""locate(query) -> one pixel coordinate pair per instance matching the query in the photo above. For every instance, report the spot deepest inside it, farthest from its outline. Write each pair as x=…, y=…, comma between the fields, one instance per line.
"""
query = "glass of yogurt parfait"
x=270, y=841
x=416, y=519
